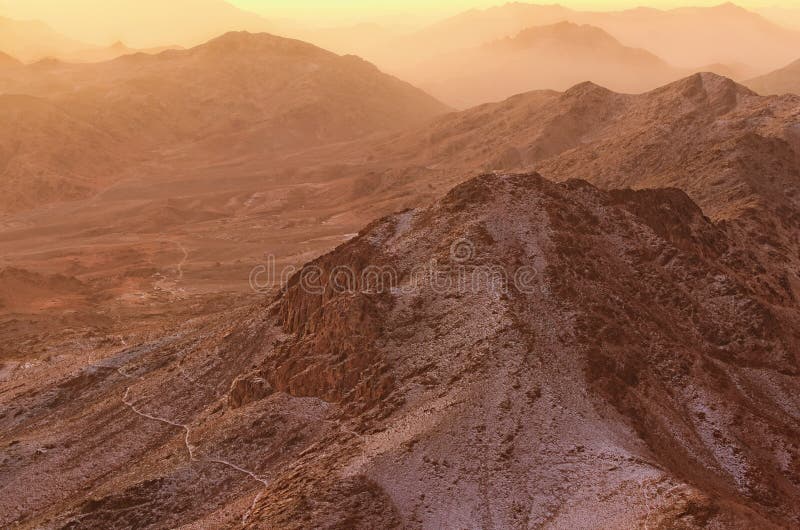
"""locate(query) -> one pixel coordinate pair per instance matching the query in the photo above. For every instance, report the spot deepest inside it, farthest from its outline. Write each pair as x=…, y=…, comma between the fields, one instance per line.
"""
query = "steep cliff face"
x=335, y=318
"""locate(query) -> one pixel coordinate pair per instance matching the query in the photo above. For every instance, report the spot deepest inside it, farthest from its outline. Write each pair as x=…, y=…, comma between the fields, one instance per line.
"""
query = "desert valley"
x=518, y=266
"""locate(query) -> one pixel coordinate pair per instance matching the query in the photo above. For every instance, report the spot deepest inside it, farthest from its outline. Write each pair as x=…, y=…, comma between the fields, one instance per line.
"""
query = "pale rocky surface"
x=644, y=377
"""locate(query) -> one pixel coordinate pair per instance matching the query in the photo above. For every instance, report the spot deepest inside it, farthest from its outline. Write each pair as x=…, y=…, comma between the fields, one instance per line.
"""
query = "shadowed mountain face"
x=548, y=57
x=783, y=81
x=235, y=95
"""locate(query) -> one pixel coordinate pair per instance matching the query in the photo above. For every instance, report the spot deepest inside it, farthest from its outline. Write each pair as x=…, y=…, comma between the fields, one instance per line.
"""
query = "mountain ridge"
x=705, y=30
x=250, y=86
x=541, y=126
x=7, y=61
x=32, y=40
x=555, y=56
x=782, y=81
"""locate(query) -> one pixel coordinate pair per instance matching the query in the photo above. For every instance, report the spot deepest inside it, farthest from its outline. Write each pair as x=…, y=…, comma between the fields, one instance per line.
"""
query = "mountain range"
x=460, y=61
x=644, y=56
x=707, y=126
x=722, y=34
x=257, y=284
x=30, y=40
x=647, y=353
x=85, y=124
x=547, y=57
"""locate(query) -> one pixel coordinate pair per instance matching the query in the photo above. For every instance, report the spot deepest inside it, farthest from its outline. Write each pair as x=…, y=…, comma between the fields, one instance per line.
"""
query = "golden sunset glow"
x=103, y=21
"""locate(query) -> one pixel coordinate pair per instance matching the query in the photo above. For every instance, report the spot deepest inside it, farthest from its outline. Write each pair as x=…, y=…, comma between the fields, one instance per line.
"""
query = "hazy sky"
x=265, y=6
x=336, y=11
x=146, y=23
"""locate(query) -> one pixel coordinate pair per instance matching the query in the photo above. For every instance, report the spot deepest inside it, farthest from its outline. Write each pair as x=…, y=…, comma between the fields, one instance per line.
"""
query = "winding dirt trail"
x=171, y=285
x=190, y=448
x=249, y=512
x=182, y=262
x=250, y=474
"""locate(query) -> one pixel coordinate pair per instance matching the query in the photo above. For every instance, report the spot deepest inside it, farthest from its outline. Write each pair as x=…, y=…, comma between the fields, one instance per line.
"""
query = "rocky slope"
x=704, y=134
x=519, y=353
x=490, y=388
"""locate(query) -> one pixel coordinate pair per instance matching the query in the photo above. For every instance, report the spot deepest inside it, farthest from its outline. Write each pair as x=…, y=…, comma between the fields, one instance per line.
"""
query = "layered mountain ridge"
x=236, y=94
x=31, y=40
x=706, y=31
x=554, y=57
x=583, y=312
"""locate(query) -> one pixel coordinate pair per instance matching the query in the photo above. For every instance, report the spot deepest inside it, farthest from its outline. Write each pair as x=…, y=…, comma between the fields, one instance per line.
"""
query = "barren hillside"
x=574, y=358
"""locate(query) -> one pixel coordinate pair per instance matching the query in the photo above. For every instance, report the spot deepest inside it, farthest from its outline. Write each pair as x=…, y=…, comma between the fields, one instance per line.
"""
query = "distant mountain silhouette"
x=684, y=37
x=107, y=53
x=554, y=57
x=234, y=95
x=7, y=61
x=30, y=40
x=783, y=81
